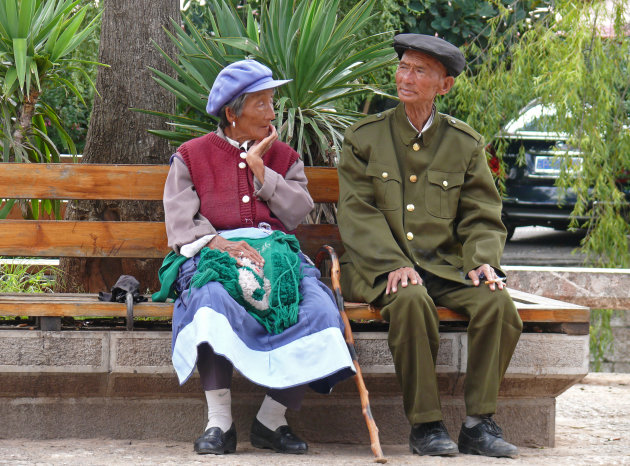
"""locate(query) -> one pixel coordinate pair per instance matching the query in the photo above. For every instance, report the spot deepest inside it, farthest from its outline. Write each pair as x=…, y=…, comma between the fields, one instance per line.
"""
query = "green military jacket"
x=406, y=201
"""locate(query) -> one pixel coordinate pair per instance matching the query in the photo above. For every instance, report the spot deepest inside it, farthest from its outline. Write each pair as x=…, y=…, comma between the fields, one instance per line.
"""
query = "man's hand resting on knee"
x=403, y=275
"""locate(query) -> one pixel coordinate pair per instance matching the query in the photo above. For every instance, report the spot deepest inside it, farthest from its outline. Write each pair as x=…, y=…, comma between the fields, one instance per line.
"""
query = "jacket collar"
x=408, y=134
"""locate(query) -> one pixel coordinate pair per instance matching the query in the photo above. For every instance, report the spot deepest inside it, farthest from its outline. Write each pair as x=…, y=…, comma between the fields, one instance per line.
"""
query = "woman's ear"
x=230, y=115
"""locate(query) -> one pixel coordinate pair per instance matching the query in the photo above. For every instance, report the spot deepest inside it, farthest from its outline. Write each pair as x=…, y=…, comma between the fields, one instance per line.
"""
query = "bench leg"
x=50, y=324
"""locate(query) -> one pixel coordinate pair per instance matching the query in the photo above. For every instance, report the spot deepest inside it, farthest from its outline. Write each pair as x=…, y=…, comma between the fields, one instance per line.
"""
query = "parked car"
x=531, y=197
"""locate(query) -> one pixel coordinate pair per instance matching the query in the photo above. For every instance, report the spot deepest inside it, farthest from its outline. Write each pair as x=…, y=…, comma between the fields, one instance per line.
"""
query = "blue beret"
x=445, y=52
x=238, y=78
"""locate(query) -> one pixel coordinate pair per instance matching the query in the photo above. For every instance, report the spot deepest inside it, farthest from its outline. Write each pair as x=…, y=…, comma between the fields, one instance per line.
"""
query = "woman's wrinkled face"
x=256, y=117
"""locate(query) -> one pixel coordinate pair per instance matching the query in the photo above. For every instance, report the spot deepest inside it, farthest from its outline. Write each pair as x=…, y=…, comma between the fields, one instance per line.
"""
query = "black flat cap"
x=449, y=55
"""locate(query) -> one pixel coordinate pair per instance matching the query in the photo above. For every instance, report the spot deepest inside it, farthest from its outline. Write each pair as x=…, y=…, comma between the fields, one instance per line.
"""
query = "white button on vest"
x=411, y=207
x=385, y=175
x=445, y=183
x=410, y=236
x=416, y=146
x=242, y=165
x=245, y=199
x=243, y=155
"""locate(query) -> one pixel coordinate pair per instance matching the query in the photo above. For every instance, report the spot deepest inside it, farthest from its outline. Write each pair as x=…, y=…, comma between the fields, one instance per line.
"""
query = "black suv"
x=533, y=160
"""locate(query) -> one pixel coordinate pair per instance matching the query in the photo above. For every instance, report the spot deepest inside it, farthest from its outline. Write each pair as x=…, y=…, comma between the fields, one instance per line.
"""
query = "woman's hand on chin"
x=256, y=152
x=237, y=249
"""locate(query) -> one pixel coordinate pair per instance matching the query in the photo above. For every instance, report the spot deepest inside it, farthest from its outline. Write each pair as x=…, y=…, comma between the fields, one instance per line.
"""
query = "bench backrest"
x=67, y=181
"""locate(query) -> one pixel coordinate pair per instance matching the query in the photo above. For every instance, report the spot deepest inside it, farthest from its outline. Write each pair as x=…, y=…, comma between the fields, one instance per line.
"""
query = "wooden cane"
x=375, y=443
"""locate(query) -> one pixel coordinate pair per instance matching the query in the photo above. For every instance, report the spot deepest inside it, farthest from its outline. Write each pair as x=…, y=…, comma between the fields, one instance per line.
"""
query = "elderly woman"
x=229, y=196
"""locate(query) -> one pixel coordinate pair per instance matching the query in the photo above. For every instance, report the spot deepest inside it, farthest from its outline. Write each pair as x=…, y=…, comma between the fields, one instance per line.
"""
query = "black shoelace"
x=492, y=426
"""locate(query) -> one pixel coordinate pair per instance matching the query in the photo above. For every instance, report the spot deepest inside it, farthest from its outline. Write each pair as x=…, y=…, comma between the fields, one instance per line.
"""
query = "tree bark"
x=118, y=135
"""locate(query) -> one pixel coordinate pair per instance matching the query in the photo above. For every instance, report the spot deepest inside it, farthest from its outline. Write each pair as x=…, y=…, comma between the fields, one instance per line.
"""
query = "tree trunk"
x=117, y=134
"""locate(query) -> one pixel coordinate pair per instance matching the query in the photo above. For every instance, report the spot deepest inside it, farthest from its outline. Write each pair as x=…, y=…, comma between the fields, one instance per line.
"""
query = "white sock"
x=271, y=413
x=219, y=408
x=472, y=421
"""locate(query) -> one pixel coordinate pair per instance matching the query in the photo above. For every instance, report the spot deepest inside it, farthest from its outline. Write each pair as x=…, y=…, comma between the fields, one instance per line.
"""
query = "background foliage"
x=37, y=39
x=564, y=59
x=307, y=42
x=72, y=111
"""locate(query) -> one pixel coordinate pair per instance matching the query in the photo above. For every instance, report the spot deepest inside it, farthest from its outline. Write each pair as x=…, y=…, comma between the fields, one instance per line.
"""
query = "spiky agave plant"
x=304, y=41
x=36, y=40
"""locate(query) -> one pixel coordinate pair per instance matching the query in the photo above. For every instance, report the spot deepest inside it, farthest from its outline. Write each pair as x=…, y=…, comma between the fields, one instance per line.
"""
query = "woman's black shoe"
x=431, y=438
x=486, y=438
x=216, y=442
x=282, y=440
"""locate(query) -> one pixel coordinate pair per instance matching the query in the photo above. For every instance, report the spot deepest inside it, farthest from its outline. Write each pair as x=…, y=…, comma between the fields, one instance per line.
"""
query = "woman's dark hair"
x=236, y=104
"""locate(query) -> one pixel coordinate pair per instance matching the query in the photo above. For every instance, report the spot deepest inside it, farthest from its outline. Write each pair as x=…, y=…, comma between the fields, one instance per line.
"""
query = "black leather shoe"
x=216, y=442
x=281, y=440
x=486, y=438
x=431, y=438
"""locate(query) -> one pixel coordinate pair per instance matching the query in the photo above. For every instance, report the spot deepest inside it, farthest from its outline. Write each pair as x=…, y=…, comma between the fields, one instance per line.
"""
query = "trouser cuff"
x=429, y=416
x=481, y=409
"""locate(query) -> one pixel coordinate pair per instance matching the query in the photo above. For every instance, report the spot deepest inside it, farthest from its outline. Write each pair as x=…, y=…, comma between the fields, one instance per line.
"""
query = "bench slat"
x=121, y=182
x=70, y=304
x=52, y=238
x=82, y=181
x=65, y=238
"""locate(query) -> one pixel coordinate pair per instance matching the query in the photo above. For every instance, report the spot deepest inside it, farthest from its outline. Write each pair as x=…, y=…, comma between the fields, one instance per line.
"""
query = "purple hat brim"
x=263, y=84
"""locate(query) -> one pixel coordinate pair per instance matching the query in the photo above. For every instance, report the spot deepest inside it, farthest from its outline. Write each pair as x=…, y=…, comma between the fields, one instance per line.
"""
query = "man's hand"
x=491, y=277
x=404, y=275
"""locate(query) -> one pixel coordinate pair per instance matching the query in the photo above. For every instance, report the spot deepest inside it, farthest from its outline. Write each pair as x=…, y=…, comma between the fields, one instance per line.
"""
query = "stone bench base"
x=120, y=384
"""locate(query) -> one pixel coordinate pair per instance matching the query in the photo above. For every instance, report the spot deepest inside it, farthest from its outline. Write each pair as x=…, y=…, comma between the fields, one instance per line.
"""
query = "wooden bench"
x=130, y=373
x=53, y=238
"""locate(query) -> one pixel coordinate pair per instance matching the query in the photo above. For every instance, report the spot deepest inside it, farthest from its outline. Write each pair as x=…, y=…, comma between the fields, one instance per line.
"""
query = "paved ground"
x=592, y=428
x=543, y=246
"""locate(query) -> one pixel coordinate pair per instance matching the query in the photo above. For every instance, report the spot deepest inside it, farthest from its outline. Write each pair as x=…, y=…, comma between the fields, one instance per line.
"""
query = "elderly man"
x=420, y=218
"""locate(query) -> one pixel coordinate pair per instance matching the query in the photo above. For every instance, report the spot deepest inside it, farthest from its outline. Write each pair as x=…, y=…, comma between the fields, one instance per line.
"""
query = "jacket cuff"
x=266, y=190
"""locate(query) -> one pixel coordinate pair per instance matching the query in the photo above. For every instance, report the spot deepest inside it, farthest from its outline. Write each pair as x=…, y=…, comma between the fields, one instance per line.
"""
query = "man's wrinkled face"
x=420, y=77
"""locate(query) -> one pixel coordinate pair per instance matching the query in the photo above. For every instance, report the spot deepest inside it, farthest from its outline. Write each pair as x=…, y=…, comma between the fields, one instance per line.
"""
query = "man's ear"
x=447, y=84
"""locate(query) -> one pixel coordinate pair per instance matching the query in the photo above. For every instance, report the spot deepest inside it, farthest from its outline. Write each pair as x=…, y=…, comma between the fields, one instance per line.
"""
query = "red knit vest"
x=225, y=190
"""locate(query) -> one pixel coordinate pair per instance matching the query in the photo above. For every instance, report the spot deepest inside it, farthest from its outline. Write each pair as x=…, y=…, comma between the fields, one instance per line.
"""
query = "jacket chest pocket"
x=442, y=193
x=386, y=186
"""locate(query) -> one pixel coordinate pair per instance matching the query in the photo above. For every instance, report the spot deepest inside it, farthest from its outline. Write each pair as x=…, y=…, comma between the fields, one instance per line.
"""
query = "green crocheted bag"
x=271, y=297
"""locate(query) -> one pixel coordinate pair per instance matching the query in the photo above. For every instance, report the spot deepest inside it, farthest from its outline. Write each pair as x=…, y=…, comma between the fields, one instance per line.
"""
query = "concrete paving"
x=593, y=427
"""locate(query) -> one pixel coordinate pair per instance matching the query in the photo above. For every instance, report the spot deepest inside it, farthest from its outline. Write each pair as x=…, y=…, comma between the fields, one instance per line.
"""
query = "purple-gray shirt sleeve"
x=184, y=223
x=287, y=197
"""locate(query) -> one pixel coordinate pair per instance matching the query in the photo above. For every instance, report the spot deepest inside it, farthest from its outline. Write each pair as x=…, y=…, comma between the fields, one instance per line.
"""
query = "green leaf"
x=6, y=208
x=19, y=55
x=27, y=8
x=9, y=81
x=63, y=43
x=9, y=17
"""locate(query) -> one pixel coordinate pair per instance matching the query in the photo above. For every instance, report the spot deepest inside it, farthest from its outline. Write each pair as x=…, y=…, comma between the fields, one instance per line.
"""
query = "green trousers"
x=493, y=331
